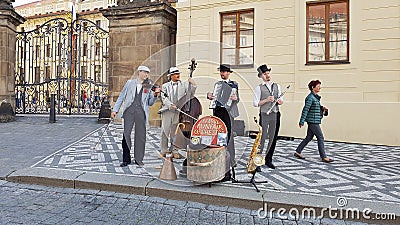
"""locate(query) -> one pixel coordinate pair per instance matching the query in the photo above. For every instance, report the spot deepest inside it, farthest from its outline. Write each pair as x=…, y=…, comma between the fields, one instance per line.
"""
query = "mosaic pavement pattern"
x=359, y=171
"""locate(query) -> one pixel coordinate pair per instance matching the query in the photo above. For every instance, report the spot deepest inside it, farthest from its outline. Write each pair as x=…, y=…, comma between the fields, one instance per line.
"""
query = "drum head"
x=209, y=131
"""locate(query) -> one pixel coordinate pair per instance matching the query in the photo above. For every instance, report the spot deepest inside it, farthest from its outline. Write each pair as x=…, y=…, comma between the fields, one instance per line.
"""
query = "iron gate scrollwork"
x=66, y=59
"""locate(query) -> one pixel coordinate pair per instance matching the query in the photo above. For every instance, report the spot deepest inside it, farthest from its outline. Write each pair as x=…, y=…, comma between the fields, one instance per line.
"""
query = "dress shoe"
x=139, y=163
x=298, y=155
x=124, y=164
x=327, y=160
x=270, y=164
x=227, y=177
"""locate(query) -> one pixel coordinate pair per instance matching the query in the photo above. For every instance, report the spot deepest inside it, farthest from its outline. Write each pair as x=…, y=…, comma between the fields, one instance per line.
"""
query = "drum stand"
x=251, y=181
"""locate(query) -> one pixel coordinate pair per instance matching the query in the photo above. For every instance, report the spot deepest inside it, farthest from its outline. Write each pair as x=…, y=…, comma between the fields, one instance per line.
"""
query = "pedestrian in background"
x=312, y=113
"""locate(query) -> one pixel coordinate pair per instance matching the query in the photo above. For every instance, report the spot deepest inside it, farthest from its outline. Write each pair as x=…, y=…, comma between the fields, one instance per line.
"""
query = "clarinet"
x=276, y=100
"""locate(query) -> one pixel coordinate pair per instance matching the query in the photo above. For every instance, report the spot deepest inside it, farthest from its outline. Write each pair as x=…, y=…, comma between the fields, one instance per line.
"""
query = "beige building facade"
x=359, y=66
x=42, y=11
x=359, y=70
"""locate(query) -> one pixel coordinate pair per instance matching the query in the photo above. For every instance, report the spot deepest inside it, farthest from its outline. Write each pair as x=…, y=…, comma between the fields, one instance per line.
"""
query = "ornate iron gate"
x=69, y=60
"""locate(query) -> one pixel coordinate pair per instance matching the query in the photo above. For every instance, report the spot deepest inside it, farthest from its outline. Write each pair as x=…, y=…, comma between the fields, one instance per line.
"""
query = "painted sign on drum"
x=210, y=131
x=206, y=154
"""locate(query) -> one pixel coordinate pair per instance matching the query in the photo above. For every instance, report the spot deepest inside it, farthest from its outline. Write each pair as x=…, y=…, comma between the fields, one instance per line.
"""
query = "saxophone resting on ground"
x=255, y=159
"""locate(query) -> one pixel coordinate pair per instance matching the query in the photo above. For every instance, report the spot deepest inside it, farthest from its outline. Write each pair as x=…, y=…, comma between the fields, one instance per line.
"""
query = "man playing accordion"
x=224, y=100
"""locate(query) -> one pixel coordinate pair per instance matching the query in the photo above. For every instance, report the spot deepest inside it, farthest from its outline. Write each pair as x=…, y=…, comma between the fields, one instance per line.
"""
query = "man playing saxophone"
x=266, y=96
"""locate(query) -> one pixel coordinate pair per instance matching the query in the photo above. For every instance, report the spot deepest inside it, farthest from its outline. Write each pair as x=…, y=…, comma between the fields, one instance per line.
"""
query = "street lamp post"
x=52, y=118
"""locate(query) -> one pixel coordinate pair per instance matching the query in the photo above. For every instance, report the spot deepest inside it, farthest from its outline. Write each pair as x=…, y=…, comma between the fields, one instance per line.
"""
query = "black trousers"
x=224, y=115
x=270, y=153
x=126, y=152
x=134, y=116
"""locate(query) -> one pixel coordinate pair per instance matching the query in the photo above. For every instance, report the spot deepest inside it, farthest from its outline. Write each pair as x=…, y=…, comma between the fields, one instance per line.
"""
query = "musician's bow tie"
x=175, y=83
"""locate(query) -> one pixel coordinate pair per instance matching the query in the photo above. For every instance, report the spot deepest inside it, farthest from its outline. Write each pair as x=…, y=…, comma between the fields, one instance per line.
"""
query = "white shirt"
x=138, y=87
x=174, y=87
x=257, y=92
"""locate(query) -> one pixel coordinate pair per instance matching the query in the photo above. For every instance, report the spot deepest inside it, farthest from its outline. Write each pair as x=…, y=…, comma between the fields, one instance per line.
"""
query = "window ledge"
x=327, y=63
x=245, y=66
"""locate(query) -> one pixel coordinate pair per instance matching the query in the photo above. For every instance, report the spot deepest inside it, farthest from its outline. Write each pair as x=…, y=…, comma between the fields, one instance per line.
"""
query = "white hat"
x=143, y=68
x=173, y=70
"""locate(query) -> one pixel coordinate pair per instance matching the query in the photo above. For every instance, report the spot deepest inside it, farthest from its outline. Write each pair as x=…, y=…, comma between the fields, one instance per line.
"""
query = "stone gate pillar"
x=139, y=30
x=9, y=20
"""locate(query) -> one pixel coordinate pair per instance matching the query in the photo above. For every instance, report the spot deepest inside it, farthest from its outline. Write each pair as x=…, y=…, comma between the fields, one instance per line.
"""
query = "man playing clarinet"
x=265, y=95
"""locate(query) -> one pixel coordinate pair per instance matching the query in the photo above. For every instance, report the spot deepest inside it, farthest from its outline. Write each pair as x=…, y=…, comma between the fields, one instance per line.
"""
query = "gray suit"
x=135, y=113
x=170, y=117
x=127, y=96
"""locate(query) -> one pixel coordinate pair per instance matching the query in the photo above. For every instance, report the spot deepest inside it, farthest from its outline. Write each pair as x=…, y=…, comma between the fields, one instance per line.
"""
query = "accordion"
x=222, y=93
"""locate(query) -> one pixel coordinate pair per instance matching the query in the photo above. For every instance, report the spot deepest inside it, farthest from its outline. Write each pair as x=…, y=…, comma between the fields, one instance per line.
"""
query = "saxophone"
x=255, y=159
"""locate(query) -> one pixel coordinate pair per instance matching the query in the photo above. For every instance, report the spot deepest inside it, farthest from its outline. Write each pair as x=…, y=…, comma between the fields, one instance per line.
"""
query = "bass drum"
x=206, y=165
x=206, y=155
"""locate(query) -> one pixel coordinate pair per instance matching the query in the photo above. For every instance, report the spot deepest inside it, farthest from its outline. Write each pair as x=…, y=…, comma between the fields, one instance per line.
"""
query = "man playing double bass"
x=225, y=98
x=175, y=90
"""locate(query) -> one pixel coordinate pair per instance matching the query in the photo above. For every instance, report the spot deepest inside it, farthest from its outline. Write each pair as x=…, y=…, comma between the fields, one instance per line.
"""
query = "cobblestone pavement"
x=39, y=205
x=360, y=171
x=365, y=172
x=32, y=138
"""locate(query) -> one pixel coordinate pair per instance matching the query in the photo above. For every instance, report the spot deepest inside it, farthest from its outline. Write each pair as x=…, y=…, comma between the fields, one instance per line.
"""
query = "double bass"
x=190, y=110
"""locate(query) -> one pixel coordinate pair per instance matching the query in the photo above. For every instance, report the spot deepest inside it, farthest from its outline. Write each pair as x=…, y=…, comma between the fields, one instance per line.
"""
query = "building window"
x=22, y=74
x=37, y=51
x=98, y=23
x=37, y=74
x=237, y=38
x=84, y=49
x=328, y=32
x=97, y=70
x=59, y=70
x=84, y=72
x=48, y=50
x=85, y=26
x=47, y=73
x=97, y=49
x=59, y=47
x=21, y=52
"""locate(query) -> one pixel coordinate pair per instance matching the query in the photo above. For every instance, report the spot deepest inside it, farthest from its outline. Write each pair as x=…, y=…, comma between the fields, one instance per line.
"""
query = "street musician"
x=224, y=100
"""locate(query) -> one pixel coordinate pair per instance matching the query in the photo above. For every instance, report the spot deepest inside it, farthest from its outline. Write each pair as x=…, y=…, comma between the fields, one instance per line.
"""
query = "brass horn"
x=168, y=169
x=255, y=159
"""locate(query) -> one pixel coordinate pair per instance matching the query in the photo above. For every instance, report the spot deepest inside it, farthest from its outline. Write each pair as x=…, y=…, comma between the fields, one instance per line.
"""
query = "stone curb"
x=113, y=182
x=46, y=177
x=217, y=194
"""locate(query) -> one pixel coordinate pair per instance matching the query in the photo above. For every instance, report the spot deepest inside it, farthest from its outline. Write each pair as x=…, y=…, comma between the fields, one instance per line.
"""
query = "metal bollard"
x=52, y=118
